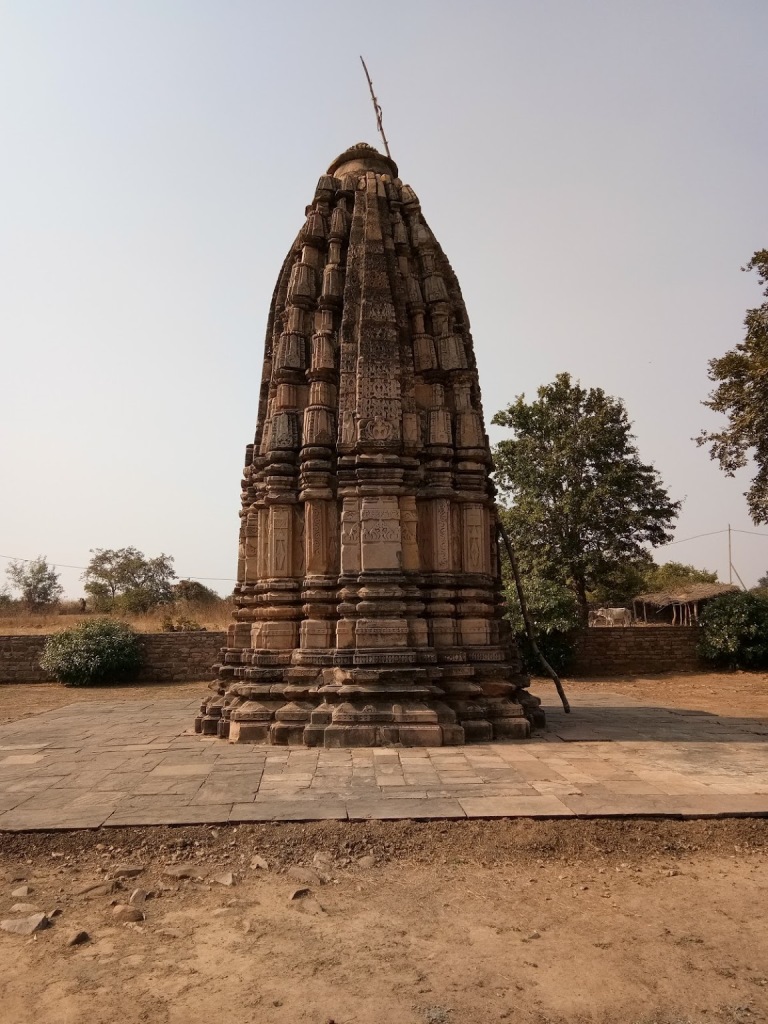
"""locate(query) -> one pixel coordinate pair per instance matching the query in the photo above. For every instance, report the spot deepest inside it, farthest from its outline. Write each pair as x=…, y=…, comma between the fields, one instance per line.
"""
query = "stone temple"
x=368, y=602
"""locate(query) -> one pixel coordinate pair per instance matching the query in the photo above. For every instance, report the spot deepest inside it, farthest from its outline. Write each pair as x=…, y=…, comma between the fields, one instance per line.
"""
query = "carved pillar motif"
x=408, y=531
x=316, y=537
x=441, y=534
x=475, y=551
x=351, y=563
x=250, y=545
x=280, y=540
x=380, y=534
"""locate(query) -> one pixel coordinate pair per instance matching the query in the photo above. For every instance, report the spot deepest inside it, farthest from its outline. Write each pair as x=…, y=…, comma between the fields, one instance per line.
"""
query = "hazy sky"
x=596, y=172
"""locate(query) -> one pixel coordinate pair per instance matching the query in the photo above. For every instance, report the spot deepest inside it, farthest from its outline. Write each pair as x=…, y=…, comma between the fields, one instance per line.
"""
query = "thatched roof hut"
x=679, y=606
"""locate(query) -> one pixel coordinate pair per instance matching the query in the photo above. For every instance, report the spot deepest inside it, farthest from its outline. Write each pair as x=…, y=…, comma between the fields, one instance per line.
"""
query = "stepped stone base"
x=384, y=708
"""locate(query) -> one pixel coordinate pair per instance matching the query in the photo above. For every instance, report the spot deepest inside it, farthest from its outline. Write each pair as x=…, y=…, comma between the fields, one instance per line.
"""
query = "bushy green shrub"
x=95, y=652
x=734, y=631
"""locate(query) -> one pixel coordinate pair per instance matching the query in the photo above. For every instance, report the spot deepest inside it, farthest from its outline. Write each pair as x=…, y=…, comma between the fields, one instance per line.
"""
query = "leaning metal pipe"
x=527, y=616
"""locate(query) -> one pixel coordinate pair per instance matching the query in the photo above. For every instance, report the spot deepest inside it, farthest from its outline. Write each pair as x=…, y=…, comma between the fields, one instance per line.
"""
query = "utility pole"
x=730, y=558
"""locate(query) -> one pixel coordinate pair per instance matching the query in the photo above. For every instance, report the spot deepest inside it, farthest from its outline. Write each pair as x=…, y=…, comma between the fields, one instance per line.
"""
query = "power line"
x=697, y=536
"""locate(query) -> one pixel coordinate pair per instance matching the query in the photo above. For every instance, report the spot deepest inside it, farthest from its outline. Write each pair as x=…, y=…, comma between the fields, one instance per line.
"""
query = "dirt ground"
x=457, y=922
x=399, y=922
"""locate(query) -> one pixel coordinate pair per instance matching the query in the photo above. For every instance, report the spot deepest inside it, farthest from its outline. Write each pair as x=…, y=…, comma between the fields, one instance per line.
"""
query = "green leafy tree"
x=621, y=582
x=194, y=592
x=741, y=376
x=675, y=576
x=37, y=580
x=583, y=503
x=763, y=582
x=734, y=631
x=126, y=580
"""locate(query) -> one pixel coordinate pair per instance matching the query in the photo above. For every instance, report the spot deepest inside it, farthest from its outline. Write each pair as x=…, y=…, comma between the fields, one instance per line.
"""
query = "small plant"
x=734, y=631
x=93, y=653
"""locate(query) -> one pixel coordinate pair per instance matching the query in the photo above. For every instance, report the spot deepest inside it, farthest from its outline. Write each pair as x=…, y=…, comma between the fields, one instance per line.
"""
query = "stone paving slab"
x=129, y=763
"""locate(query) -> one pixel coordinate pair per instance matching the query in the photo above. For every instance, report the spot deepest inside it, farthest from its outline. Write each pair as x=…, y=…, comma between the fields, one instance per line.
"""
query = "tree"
x=762, y=583
x=194, y=592
x=125, y=578
x=582, y=502
x=37, y=581
x=734, y=631
x=741, y=394
x=675, y=576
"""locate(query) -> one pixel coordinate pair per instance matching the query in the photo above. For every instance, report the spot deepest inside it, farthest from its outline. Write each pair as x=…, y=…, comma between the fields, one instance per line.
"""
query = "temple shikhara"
x=368, y=602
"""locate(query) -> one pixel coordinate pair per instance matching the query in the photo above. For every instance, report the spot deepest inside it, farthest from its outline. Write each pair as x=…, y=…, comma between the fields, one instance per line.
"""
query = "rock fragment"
x=124, y=913
x=186, y=871
x=25, y=925
x=92, y=889
x=127, y=871
x=78, y=938
x=307, y=875
x=22, y=891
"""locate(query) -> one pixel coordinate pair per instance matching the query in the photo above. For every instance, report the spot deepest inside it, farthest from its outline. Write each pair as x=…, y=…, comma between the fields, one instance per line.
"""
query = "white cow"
x=611, y=617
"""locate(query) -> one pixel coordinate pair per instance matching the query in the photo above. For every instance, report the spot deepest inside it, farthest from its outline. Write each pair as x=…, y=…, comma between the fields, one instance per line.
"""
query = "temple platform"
x=81, y=766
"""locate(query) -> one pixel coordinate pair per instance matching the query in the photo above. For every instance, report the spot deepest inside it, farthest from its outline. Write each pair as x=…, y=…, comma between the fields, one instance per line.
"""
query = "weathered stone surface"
x=123, y=913
x=78, y=938
x=368, y=608
x=25, y=925
x=224, y=878
x=126, y=871
x=93, y=889
x=186, y=871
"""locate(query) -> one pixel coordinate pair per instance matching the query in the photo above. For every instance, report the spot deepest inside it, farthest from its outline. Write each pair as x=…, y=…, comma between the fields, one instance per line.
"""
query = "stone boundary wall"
x=636, y=650
x=187, y=657
x=168, y=657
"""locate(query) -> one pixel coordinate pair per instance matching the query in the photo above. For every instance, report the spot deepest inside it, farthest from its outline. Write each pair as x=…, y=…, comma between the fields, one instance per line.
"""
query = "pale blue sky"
x=596, y=172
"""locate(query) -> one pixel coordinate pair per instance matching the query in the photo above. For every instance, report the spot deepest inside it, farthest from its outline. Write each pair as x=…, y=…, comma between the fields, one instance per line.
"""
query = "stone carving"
x=367, y=603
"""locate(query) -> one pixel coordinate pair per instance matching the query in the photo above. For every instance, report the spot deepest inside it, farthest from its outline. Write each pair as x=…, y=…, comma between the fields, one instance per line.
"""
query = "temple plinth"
x=368, y=602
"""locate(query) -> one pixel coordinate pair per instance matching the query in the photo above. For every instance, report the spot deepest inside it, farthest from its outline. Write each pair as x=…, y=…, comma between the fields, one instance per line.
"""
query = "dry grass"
x=20, y=621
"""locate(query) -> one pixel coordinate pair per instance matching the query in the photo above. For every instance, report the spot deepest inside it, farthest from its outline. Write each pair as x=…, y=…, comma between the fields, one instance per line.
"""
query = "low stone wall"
x=168, y=657
x=636, y=650
x=187, y=657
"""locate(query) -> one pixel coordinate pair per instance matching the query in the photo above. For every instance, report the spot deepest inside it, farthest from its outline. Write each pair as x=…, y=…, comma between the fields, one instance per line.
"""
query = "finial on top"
x=366, y=158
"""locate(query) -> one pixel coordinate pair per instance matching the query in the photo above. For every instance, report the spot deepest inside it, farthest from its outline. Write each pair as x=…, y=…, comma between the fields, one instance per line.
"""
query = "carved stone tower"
x=368, y=595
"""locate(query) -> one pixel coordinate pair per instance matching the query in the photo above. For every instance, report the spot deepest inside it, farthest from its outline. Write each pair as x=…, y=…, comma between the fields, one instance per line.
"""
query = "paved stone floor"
x=137, y=763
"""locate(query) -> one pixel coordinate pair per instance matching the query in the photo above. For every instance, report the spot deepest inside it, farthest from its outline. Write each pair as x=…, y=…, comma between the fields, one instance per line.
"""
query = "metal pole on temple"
x=529, y=628
x=377, y=109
